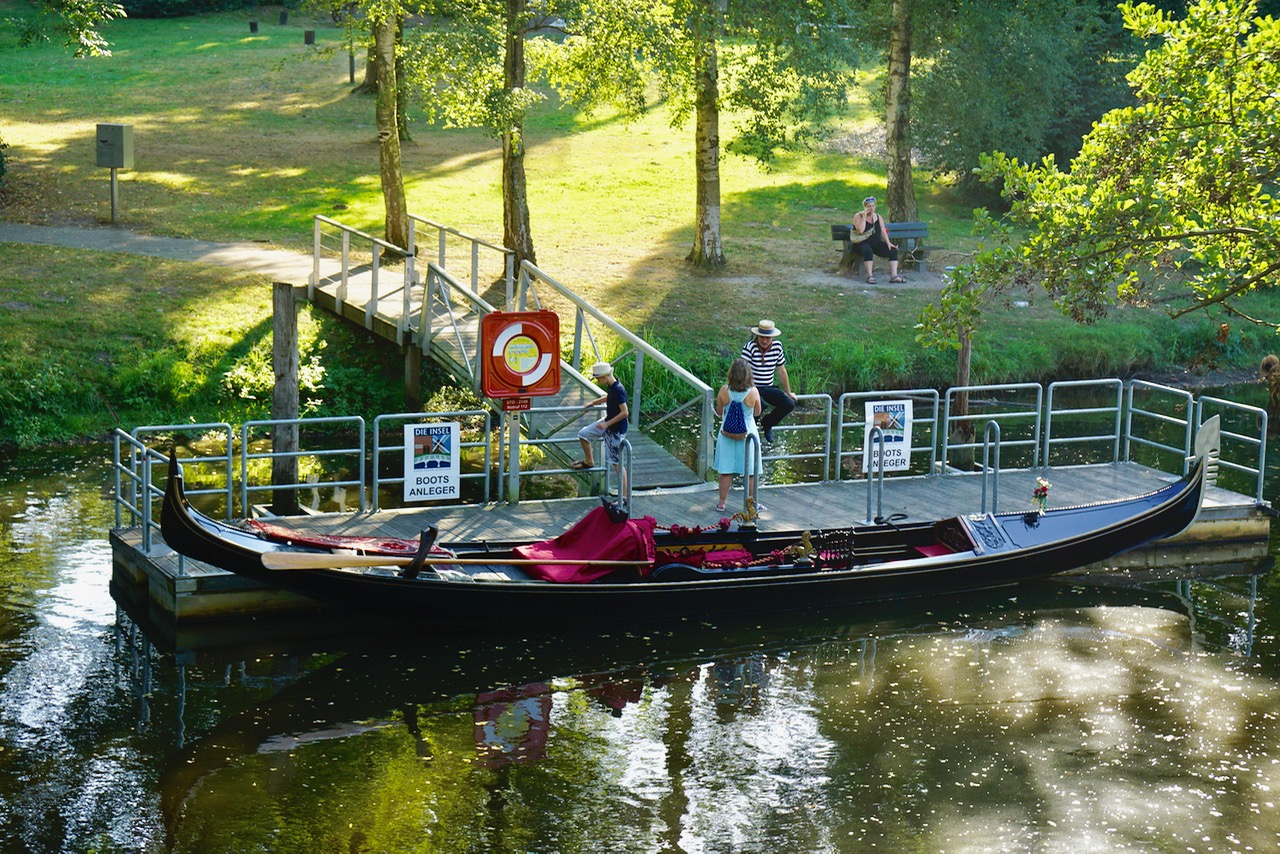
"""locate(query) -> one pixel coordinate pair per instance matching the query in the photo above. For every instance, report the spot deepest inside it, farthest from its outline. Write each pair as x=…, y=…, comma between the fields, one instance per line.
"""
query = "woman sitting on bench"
x=878, y=243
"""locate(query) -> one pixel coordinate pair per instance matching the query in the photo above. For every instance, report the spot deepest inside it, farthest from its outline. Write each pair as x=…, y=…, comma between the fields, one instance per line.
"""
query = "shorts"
x=612, y=441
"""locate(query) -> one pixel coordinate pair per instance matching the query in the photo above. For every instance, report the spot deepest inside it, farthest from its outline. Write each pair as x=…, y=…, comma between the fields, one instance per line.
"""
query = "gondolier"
x=769, y=374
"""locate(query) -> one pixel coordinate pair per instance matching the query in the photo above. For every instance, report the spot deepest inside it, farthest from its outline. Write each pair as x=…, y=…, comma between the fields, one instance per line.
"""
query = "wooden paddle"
x=314, y=560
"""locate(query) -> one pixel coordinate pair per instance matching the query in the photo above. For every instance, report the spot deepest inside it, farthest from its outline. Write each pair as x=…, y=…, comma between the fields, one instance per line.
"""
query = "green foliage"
x=783, y=66
x=1027, y=80
x=1173, y=198
x=454, y=64
x=181, y=8
x=77, y=21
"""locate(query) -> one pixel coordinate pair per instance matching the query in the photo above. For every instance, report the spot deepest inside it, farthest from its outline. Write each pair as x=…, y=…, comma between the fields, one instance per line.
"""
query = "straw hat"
x=601, y=369
x=766, y=329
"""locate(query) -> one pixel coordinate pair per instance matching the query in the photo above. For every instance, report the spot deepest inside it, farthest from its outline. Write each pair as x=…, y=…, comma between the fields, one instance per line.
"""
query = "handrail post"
x=876, y=435
x=636, y=385
x=987, y=444
x=316, y=246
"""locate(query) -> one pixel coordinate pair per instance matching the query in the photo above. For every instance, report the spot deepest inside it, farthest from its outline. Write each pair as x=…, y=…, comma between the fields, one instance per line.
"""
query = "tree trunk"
x=393, y=200
x=284, y=399
x=708, y=251
x=516, y=233
x=370, y=84
x=402, y=97
x=901, y=192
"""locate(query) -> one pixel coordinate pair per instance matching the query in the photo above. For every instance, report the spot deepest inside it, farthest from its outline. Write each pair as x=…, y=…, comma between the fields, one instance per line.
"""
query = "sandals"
x=579, y=465
x=897, y=280
x=871, y=280
x=719, y=508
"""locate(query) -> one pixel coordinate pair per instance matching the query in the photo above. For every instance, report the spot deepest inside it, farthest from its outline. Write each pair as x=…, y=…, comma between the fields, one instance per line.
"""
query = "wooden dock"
x=1231, y=528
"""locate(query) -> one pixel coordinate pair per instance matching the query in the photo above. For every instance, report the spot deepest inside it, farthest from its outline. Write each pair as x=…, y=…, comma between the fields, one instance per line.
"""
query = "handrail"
x=1260, y=441
x=442, y=283
x=476, y=244
x=380, y=246
x=752, y=458
x=875, y=479
x=531, y=276
x=1182, y=398
x=246, y=455
x=1029, y=411
x=142, y=492
x=226, y=458
x=407, y=417
x=1116, y=409
x=993, y=427
x=930, y=395
x=825, y=426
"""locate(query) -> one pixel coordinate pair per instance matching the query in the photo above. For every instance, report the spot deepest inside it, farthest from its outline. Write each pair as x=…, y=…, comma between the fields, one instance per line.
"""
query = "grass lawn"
x=243, y=136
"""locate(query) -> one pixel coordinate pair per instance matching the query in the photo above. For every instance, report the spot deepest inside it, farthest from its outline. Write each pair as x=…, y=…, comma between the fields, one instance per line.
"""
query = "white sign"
x=432, y=465
x=893, y=417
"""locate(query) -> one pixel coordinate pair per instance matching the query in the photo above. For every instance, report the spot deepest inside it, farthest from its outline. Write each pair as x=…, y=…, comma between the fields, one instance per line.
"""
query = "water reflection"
x=1063, y=718
x=1054, y=718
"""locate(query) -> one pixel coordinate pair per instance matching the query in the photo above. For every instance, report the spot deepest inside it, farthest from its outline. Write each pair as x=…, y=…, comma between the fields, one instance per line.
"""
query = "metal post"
x=115, y=195
x=513, y=456
x=988, y=442
x=874, y=436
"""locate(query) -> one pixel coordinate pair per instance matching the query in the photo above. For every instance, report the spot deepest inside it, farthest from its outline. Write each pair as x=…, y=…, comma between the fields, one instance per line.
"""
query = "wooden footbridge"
x=428, y=298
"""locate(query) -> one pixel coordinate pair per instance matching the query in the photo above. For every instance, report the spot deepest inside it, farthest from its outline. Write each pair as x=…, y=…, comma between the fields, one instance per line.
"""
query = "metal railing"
x=1173, y=399
x=857, y=421
x=225, y=459
x=585, y=343
x=403, y=418
x=1077, y=415
x=135, y=490
x=803, y=428
x=473, y=247
x=438, y=301
x=1152, y=414
x=1207, y=407
x=991, y=465
x=323, y=230
x=1015, y=413
x=247, y=456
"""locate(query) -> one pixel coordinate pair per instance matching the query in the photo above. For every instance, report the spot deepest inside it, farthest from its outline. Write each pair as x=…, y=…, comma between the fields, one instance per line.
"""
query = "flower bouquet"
x=1040, y=495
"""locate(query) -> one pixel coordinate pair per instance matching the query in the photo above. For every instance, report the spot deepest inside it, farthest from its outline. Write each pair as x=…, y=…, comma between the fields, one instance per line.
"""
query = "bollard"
x=308, y=36
x=253, y=26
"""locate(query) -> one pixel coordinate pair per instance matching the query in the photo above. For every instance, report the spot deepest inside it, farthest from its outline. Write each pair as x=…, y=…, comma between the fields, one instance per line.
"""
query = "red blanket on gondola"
x=596, y=537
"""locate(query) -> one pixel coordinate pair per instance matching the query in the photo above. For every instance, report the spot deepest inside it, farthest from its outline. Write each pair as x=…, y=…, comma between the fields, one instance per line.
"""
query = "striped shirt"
x=763, y=365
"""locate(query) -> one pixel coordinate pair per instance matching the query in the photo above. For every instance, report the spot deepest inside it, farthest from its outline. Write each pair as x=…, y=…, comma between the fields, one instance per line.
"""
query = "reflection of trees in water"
x=1061, y=729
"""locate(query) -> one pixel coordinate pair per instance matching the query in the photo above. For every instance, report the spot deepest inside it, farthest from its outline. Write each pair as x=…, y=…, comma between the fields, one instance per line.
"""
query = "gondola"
x=612, y=570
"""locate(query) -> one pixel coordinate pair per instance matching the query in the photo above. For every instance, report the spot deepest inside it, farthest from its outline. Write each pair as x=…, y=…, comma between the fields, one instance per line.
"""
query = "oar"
x=315, y=560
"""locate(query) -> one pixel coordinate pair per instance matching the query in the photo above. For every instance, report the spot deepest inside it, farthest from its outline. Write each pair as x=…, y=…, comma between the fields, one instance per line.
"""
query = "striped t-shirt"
x=763, y=365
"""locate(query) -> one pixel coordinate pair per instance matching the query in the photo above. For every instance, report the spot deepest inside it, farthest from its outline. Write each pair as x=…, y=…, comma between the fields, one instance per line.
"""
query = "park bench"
x=909, y=237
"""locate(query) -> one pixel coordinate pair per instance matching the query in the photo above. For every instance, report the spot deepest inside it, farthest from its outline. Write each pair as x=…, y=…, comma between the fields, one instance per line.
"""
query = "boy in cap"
x=611, y=428
x=768, y=362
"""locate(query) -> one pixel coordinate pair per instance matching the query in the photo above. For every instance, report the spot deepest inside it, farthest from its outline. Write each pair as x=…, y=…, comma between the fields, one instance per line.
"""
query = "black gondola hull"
x=1007, y=548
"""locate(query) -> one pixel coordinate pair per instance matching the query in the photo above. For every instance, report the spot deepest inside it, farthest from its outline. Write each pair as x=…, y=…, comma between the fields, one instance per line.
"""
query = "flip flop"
x=871, y=280
x=897, y=280
x=720, y=508
x=579, y=465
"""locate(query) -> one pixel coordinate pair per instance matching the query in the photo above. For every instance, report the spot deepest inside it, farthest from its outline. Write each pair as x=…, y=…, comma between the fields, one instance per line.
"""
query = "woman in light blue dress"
x=731, y=454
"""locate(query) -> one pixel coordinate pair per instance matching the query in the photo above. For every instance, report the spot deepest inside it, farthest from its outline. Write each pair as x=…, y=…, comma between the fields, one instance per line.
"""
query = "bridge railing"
x=537, y=290
x=450, y=319
x=330, y=237
x=480, y=257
